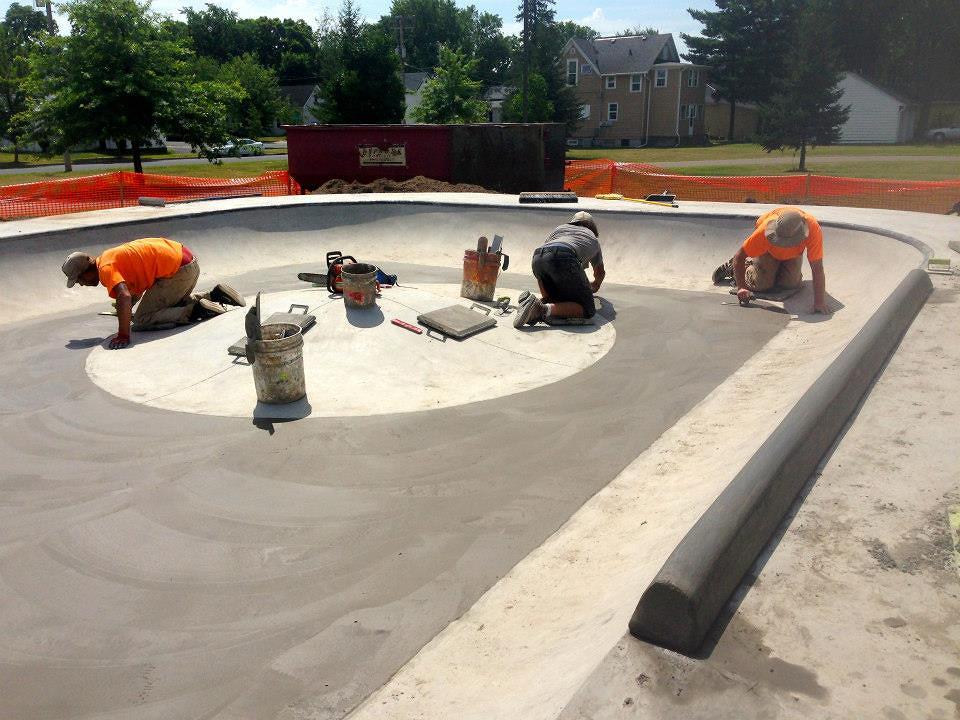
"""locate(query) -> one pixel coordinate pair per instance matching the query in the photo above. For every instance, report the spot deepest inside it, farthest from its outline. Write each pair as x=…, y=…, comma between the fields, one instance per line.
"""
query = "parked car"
x=239, y=147
x=942, y=134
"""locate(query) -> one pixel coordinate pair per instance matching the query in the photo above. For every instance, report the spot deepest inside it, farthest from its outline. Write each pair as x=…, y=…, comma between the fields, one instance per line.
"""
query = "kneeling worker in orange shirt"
x=159, y=273
x=772, y=256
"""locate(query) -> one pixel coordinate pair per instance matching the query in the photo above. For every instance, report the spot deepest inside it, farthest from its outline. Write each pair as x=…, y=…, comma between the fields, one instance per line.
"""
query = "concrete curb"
x=690, y=590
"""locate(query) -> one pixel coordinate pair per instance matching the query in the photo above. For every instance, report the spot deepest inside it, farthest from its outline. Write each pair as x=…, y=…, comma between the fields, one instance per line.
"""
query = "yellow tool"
x=618, y=196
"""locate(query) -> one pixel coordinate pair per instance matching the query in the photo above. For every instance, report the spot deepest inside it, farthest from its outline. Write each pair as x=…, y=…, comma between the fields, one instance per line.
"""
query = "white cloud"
x=599, y=21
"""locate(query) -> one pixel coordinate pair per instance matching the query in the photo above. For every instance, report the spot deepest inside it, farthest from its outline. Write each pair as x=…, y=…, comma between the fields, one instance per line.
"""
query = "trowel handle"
x=506, y=261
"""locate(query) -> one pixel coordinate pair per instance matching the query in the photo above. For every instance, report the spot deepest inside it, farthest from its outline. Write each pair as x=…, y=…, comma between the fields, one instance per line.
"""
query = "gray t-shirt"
x=579, y=239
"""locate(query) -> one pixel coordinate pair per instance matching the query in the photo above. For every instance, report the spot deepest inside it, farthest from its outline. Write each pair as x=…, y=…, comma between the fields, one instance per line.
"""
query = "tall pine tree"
x=804, y=109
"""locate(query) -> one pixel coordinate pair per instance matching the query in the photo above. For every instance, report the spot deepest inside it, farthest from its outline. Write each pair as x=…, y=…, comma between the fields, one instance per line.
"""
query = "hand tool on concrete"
x=296, y=315
x=618, y=196
x=775, y=294
x=548, y=197
x=939, y=266
x=497, y=244
x=407, y=326
x=458, y=321
x=315, y=278
x=752, y=303
x=482, y=244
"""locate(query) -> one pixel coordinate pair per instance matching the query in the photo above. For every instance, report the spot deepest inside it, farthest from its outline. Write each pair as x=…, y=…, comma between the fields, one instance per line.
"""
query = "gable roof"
x=297, y=94
x=899, y=98
x=630, y=54
x=413, y=81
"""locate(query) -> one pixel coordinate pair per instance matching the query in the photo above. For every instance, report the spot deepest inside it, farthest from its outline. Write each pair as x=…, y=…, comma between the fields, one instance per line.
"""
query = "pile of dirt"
x=383, y=185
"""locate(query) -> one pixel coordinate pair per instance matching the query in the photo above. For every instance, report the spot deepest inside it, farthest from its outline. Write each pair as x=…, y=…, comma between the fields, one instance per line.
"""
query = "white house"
x=877, y=116
x=412, y=94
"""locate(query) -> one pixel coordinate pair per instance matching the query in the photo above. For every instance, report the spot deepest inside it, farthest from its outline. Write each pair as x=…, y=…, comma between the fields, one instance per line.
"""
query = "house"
x=494, y=96
x=412, y=94
x=635, y=92
x=877, y=116
x=302, y=98
x=717, y=118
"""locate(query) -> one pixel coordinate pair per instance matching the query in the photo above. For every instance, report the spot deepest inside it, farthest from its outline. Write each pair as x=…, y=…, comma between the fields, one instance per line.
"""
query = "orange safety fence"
x=121, y=189
x=588, y=178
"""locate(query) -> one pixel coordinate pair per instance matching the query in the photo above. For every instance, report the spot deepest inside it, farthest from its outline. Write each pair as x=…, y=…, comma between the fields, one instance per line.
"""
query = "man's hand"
x=119, y=341
x=821, y=309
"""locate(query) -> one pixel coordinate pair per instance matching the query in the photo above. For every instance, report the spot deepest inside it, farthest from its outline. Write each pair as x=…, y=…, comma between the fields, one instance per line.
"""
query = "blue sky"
x=607, y=17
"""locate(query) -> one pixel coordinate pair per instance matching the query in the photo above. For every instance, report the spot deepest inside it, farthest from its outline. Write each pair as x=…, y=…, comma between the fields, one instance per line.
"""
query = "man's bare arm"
x=598, y=275
x=124, y=315
x=740, y=274
x=819, y=287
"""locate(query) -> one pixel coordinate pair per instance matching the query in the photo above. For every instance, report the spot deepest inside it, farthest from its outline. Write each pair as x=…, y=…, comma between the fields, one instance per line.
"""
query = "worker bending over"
x=773, y=254
x=159, y=273
x=559, y=267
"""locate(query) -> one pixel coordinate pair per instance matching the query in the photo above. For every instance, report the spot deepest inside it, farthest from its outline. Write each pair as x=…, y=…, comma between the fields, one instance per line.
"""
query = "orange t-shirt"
x=757, y=244
x=139, y=264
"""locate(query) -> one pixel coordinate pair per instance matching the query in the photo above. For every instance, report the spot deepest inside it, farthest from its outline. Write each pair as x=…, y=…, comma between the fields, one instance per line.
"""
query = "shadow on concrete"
x=266, y=415
x=366, y=317
x=85, y=343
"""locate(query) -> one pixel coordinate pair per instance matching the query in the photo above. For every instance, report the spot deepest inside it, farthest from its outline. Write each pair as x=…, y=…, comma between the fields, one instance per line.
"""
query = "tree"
x=218, y=33
x=638, y=30
x=741, y=42
x=539, y=106
x=451, y=96
x=805, y=108
x=118, y=75
x=365, y=85
x=260, y=103
x=427, y=24
x=23, y=30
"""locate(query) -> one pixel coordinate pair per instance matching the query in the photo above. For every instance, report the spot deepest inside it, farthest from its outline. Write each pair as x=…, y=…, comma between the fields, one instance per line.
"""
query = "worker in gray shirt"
x=559, y=266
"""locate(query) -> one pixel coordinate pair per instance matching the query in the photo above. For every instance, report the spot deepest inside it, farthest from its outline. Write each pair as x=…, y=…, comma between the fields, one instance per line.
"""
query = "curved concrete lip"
x=356, y=362
x=523, y=647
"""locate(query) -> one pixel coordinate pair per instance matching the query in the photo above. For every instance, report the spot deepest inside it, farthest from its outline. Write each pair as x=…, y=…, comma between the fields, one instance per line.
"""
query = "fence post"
x=806, y=190
x=613, y=176
x=120, y=172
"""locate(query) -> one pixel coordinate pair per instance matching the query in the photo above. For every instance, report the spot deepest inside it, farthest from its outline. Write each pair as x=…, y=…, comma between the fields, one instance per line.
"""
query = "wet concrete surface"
x=163, y=564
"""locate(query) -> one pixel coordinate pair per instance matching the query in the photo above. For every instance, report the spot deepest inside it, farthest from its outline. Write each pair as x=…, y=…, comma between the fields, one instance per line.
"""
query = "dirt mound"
x=383, y=185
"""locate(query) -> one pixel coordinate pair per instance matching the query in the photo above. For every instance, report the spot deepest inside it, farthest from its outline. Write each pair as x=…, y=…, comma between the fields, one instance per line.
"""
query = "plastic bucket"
x=278, y=364
x=359, y=285
x=480, y=272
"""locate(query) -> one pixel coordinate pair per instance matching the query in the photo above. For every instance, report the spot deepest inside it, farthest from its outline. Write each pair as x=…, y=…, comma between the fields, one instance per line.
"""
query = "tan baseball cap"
x=74, y=266
x=788, y=229
x=585, y=219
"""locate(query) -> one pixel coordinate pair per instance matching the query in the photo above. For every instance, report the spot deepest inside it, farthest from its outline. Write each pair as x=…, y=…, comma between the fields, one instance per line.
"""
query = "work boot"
x=226, y=295
x=529, y=313
x=723, y=274
x=204, y=309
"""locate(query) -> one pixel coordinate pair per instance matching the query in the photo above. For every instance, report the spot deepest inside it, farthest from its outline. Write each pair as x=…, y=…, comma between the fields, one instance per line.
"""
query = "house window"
x=636, y=83
x=693, y=112
x=693, y=79
x=571, y=72
x=584, y=112
x=586, y=70
x=610, y=82
x=683, y=112
x=661, y=78
x=613, y=110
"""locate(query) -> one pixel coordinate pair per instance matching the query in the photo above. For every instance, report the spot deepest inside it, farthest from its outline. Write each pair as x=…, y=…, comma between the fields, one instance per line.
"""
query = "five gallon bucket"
x=359, y=285
x=480, y=270
x=278, y=364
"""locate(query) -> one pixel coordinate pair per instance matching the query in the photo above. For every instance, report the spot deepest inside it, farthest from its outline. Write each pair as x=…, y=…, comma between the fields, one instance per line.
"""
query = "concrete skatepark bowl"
x=439, y=522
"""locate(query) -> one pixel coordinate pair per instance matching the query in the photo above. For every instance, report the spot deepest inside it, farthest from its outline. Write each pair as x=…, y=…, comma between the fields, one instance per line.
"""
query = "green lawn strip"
x=890, y=170
x=81, y=159
x=205, y=170
x=746, y=151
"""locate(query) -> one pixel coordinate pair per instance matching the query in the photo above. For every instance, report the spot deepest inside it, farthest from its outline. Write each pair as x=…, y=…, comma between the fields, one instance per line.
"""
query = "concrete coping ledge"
x=690, y=590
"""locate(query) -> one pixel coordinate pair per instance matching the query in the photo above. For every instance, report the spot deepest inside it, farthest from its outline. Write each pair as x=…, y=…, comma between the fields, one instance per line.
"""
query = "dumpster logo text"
x=373, y=155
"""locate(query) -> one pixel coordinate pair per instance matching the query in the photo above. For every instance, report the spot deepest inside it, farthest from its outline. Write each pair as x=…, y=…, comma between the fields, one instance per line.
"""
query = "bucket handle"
x=506, y=261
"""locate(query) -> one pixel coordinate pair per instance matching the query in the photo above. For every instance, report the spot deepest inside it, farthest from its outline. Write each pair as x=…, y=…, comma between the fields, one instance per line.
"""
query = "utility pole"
x=398, y=25
x=51, y=28
x=524, y=75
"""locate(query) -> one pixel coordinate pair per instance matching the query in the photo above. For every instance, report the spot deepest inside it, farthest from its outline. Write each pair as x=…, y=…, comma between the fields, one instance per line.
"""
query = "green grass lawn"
x=746, y=151
x=79, y=159
x=205, y=170
x=904, y=170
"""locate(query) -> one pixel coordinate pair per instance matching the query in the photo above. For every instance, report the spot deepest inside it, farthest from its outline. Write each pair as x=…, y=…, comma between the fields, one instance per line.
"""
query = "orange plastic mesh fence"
x=120, y=189
x=588, y=178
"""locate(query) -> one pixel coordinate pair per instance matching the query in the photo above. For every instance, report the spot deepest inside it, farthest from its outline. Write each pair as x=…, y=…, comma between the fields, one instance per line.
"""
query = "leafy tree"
x=118, y=75
x=638, y=30
x=260, y=102
x=218, y=33
x=451, y=96
x=487, y=43
x=805, y=108
x=539, y=107
x=741, y=42
x=23, y=30
x=26, y=24
x=427, y=24
x=365, y=85
x=567, y=29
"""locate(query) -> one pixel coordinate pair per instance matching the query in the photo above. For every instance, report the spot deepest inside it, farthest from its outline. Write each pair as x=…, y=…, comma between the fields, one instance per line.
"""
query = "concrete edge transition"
x=690, y=590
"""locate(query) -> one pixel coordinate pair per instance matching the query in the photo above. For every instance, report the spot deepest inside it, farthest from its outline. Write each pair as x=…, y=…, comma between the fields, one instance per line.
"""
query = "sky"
x=607, y=17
